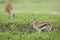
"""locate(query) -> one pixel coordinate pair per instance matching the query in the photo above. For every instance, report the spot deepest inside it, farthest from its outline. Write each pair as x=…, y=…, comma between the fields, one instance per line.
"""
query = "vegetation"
x=19, y=28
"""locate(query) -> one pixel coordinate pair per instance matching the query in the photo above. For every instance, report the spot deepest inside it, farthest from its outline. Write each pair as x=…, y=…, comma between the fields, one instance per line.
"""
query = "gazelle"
x=41, y=26
x=9, y=10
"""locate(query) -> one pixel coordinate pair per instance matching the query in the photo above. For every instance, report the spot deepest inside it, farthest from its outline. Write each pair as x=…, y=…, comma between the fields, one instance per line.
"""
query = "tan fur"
x=39, y=24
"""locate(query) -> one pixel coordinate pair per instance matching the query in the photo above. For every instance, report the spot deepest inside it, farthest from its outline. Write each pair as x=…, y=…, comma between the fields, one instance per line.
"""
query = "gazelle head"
x=33, y=21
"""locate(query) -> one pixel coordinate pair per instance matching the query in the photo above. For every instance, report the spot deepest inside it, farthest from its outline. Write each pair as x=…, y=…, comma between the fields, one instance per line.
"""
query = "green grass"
x=23, y=19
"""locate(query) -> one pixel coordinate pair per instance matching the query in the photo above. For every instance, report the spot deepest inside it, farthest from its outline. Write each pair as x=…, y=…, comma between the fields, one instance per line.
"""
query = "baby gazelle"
x=41, y=26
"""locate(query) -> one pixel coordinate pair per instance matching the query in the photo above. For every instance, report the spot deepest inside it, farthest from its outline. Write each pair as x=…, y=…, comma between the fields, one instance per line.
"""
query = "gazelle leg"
x=39, y=30
x=46, y=30
x=50, y=28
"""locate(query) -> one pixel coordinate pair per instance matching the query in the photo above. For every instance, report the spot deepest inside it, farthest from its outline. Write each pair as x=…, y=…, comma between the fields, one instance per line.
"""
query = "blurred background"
x=33, y=6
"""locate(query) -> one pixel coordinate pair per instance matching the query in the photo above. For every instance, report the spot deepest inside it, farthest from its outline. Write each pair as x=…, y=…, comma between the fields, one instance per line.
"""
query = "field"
x=25, y=10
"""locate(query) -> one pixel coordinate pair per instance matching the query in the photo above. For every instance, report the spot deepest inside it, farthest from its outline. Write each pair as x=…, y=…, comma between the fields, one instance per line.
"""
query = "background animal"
x=9, y=10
